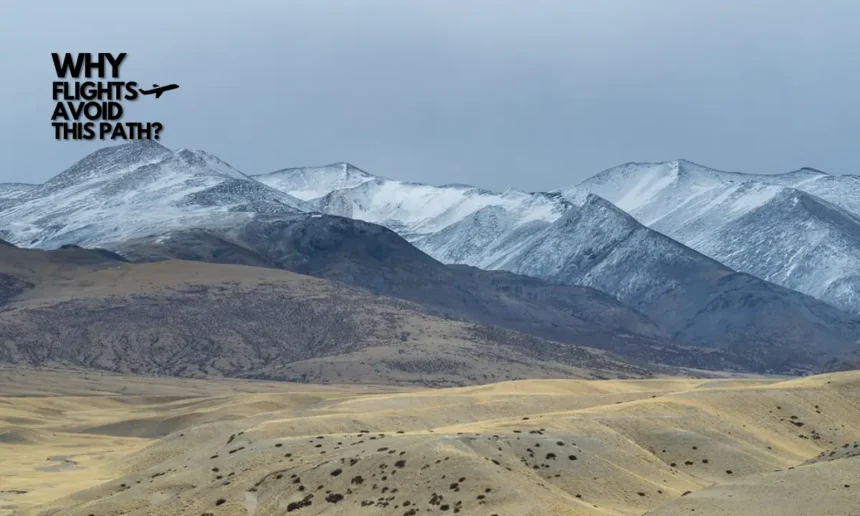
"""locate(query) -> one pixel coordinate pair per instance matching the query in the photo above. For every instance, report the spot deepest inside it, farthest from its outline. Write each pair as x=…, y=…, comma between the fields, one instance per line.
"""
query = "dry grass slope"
x=143, y=446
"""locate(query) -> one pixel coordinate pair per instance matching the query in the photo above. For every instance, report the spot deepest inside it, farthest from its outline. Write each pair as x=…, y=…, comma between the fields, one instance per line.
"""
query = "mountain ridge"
x=559, y=247
x=333, y=176
x=378, y=260
x=144, y=188
x=730, y=216
x=227, y=320
x=188, y=204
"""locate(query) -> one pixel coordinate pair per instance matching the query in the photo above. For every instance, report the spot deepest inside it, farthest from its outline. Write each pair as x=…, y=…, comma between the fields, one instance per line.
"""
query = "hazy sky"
x=498, y=93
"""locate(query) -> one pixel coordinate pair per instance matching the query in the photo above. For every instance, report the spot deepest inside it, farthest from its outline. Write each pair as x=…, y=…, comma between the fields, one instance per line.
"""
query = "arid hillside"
x=91, y=309
x=82, y=444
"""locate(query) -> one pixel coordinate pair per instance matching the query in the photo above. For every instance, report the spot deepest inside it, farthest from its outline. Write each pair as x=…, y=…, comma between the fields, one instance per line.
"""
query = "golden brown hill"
x=537, y=447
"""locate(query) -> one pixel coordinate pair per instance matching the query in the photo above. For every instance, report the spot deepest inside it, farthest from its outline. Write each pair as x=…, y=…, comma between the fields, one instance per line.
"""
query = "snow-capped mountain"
x=308, y=183
x=149, y=203
x=576, y=238
x=697, y=299
x=133, y=190
x=415, y=210
x=795, y=229
x=144, y=197
x=843, y=191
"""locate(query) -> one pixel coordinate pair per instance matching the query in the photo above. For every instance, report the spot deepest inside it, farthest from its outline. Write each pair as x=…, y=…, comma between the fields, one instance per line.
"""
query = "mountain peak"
x=107, y=160
x=685, y=164
x=308, y=183
x=343, y=167
x=596, y=208
x=657, y=171
x=677, y=164
x=595, y=202
x=804, y=204
x=348, y=168
x=808, y=171
x=144, y=144
x=202, y=160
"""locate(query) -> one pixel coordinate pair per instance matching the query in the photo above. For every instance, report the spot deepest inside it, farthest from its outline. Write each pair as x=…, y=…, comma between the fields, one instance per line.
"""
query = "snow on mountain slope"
x=416, y=210
x=308, y=183
x=480, y=239
x=421, y=212
x=137, y=189
x=596, y=244
x=11, y=193
x=796, y=240
x=843, y=191
x=698, y=299
x=15, y=190
x=145, y=192
x=588, y=241
x=794, y=229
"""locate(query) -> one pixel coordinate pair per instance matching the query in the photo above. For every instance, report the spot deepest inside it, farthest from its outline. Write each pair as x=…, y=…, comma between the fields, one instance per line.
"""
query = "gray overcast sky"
x=530, y=94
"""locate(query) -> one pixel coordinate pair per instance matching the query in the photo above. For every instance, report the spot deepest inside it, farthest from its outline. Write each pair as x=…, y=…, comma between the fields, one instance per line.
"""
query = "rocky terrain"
x=91, y=308
x=381, y=262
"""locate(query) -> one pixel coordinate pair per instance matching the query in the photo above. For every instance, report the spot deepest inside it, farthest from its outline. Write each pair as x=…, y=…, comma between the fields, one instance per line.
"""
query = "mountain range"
x=599, y=264
x=572, y=236
x=800, y=229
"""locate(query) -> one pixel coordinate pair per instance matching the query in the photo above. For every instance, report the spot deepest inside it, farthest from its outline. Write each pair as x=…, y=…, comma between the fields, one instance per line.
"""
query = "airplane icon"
x=158, y=90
